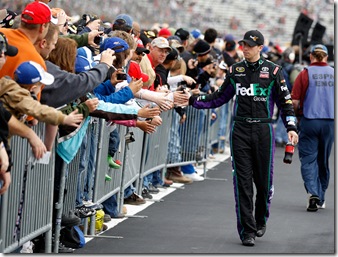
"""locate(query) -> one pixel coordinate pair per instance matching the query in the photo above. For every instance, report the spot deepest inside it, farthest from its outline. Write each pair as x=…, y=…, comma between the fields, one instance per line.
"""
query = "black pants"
x=252, y=150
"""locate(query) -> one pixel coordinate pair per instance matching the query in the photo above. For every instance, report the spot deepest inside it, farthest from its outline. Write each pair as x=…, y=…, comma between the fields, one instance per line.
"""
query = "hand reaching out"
x=188, y=79
x=73, y=119
x=148, y=112
x=145, y=126
x=92, y=104
x=164, y=102
x=157, y=121
x=38, y=147
x=181, y=98
x=135, y=85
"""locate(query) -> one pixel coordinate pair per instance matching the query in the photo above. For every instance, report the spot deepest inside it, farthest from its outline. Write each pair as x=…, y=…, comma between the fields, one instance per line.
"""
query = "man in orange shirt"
x=34, y=25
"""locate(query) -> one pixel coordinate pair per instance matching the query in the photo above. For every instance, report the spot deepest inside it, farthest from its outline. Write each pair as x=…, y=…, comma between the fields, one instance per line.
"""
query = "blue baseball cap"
x=196, y=33
x=115, y=43
x=319, y=48
x=124, y=19
x=31, y=72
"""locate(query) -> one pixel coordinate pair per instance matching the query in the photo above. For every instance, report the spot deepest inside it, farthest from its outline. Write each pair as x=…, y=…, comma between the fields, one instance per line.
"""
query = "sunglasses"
x=142, y=53
x=3, y=43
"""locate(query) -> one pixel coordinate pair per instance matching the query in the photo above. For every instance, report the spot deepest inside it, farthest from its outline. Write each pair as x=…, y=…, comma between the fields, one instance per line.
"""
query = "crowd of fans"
x=82, y=38
x=223, y=15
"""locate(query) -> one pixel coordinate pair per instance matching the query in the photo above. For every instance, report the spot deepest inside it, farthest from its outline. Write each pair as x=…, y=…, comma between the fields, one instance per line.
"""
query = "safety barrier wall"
x=146, y=154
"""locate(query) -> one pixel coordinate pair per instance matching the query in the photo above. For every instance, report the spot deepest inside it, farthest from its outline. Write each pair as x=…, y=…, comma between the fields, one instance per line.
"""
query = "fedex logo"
x=253, y=90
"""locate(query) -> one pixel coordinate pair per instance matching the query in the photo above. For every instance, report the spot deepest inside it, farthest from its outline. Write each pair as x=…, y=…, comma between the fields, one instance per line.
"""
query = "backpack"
x=72, y=237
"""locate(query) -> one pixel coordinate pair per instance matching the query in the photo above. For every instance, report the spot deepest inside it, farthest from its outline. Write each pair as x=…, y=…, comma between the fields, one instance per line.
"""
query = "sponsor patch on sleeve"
x=290, y=118
x=275, y=70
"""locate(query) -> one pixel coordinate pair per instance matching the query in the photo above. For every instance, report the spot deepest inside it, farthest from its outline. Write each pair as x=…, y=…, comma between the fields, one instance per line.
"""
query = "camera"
x=121, y=76
x=98, y=40
x=129, y=137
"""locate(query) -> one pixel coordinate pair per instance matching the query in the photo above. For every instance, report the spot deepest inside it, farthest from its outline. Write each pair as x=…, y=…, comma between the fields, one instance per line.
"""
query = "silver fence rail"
x=26, y=208
x=173, y=144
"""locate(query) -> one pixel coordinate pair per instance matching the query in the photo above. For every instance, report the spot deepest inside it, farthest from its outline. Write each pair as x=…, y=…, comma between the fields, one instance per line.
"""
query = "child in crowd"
x=20, y=98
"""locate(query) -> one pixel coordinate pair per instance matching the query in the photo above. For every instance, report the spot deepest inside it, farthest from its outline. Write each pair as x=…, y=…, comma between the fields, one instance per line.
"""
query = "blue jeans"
x=154, y=178
x=174, y=144
x=110, y=206
x=129, y=191
x=114, y=142
x=315, y=143
x=87, y=156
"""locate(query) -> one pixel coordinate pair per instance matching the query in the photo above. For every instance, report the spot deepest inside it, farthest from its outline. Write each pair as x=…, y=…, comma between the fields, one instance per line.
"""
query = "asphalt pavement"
x=200, y=219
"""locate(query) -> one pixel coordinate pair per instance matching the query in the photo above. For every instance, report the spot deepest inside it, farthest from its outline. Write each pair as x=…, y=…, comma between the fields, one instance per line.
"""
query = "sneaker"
x=106, y=218
x=84, y=212
x=118, y=216
x=27, y=247
x=153, y=189
x=65, y=249
x=70, y=220
x=107, y=177
x=134, y=199
x=112, y=164
x=312, y=203
x=88, y=203
x=321, y=205
x=146, y=194
x=194, y=177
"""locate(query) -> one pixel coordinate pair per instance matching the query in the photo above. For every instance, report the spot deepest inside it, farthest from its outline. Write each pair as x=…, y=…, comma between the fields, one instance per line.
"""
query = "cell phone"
x=121, y=76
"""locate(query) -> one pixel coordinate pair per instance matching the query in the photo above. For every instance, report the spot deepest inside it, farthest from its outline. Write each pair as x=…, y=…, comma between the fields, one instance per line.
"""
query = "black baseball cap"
x=5, y=47
x=253, y=38
x=182, y=34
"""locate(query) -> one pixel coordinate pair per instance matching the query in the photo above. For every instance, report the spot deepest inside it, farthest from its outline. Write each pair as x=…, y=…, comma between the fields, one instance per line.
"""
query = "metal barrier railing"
x=26, y=209
x=154, y=154
x=147, y=154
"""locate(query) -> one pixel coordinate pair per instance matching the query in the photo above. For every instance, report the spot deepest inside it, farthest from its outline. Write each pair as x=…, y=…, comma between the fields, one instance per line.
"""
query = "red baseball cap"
x=135, y=71
x=38, y=12
x=164, y=32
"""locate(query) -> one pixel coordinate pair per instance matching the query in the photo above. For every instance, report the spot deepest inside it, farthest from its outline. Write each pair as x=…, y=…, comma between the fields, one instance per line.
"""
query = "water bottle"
x=289, y=150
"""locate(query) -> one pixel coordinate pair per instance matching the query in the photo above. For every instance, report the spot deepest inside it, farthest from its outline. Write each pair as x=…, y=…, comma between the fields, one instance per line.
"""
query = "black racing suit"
x=257, y=87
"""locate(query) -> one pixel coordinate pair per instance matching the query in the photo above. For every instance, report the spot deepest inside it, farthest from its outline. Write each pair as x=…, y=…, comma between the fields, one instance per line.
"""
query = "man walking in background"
x=313, y=101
